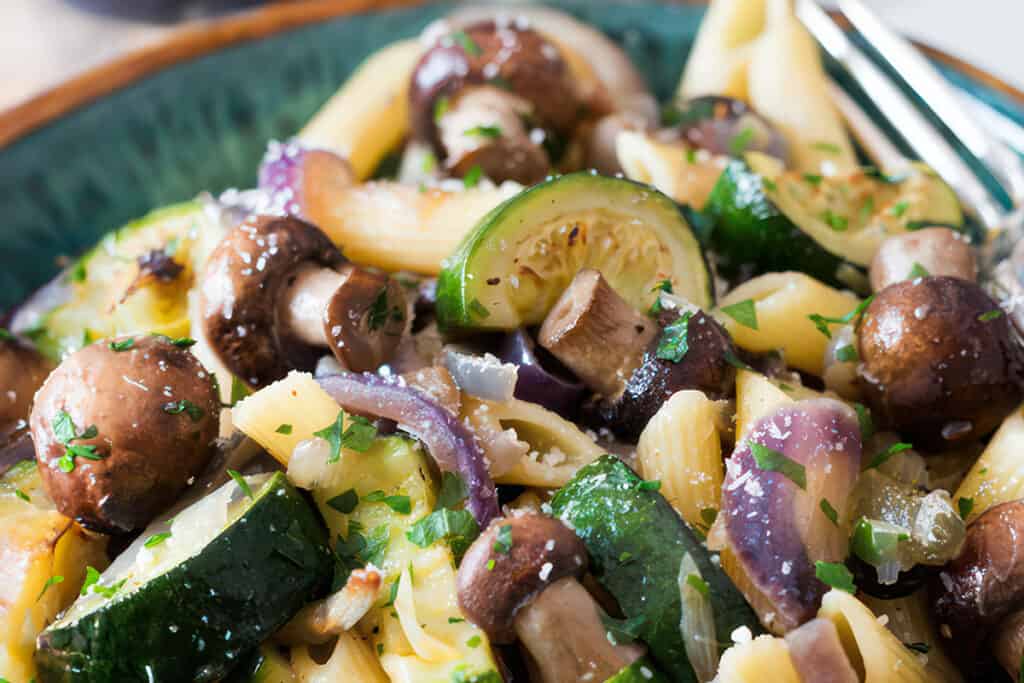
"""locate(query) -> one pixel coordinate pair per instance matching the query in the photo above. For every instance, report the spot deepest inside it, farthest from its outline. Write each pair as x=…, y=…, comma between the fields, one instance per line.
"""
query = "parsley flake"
x=345, y=502
x=822, y=322
x=813, y=179
x=741, y=142
x=467, y=44
x=880, y=458
x=827, y=147
x=916, y=271
x=698, y=584
x=453, y=491
x=284, y=428
x=489, y=132
x=503, y=543
x=194, y=412
x=847, y=354
x=157, y=539
x=899, y=208
x=472, y=178
x=835, y=574
x=400, y=504
x=964, y=507
x=242, y=484
x=358, y=436
x=478, y=309
x=52, y=581
x=830, y=512
x=673, y=344
x=22, y=495
x=743, y=312
x=835, y=221
x=122, y=345
x=474, y=642
x=441, y=106
x=771, y=460
x=653, y=485
x=656, y=307
x=66, y=432
x=990, y=315
x=867, y=425
x=456, y=527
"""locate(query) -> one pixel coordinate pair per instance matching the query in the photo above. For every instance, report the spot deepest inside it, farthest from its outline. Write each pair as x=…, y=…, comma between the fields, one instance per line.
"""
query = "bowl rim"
x=206, y=37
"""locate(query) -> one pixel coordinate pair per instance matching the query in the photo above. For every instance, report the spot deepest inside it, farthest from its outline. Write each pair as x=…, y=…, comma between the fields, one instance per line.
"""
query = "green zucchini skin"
x=636, y=543
x=245, y=584
x=750, y=231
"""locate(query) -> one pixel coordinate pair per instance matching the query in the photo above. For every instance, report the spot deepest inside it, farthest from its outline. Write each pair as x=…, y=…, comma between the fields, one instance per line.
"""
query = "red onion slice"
x=536, y=383
x=449, y=442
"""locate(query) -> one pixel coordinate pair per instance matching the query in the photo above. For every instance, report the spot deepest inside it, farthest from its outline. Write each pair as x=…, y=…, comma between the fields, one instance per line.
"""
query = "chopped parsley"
x=453, y=491
x=358, y=550
x=478, y=309
x=503, y=543
x=813, y=179
x=835, y=221
x=741, y=142
x=847, y=354
x=822, y=322
x=455, y=620
x=653, y=485
x=899, y=208
x=52, y=581
x=880, y=458
x=827, y=147
x=835, y=574
x=490, y=132
x=916, y=271
x=698, y=584
x=122, y=345
x=183, y=342
x=157, y=539
x=771, y=460
x=22, y=495
x=743, y=312
x=769, y=185
x=656, y=307
x=964, y=507
x=194, y=412
x=875, y=541
x=358, y=436
x=673, y=344
x=239, y=390
x=400, y=504
x=622, y=631
x=79, y=272
x=393, y=593
x=474, y=642
x=5, y=334
x=708, y=516
x=867, y=425
x=830, y=512
x=467, y=44
x=66, y=432
x=990, y=315
x=92, y=578
x=691, y=155
x=456, y=527
x=472, y=178
x=284, y=428
x=345, y=502
x=441, y=106
x=460, y=675
x=242, y=484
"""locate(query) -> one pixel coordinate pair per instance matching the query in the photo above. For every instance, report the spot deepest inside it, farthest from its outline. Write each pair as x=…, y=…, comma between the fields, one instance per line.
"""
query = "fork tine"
x=878, y=146
x=918, y=131
x=935, y=91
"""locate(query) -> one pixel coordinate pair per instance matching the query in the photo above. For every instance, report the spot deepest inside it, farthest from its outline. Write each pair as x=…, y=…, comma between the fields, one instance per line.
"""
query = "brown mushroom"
x=121, y=427
x=596, y=333
x=276, y=293
x=600, y=141
x=520, y=579
x=938, y=361
x=472, y=89
x=22, y=371
x=978, y=598
x=930, y=251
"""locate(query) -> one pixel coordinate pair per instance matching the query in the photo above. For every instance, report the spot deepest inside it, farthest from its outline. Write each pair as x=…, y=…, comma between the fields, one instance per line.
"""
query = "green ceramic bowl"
x=203, y=124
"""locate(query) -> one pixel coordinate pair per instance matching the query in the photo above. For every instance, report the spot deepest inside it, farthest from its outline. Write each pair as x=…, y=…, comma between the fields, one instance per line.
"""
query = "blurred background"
x=44, y=42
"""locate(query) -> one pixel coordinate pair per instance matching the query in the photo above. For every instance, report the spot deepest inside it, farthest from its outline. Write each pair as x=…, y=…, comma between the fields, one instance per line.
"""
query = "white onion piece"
x=697, y=623
x=309, y=458
x=483, y=376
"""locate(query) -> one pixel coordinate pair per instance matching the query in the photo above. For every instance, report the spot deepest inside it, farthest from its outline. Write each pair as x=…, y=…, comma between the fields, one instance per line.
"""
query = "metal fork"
x=1004, y=226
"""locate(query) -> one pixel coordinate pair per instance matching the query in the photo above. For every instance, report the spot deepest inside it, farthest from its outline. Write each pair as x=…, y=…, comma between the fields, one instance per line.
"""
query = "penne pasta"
x=719, y=62
x=784, y=302
x=765, y=658
x=909, y=621
x=351, y=660
x=668, y=167
x=757, y=395
x=998, y=475
x=680, y=447
x=876, y=654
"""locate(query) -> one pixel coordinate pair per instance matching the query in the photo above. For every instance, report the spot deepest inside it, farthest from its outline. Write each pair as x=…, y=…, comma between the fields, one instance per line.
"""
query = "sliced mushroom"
x=930, y=251
x=938, y=361
x=473, y=88
x=523, y=583
x=277, y=292
x=121, y=427
x=596, y=333
x=978, y=598
x=773, y=518
x=22, y=371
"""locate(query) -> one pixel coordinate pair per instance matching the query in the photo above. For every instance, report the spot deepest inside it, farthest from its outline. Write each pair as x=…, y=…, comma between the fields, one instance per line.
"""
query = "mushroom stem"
x=304, y=301
x=484, y=127
x=581, y=651
x=596, y=333
x=1008, y=645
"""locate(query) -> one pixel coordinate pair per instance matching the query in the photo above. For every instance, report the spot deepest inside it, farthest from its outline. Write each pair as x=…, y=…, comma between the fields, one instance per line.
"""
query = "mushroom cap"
x=938, y=360
x=704, y=367
x=940, y=251
x=512, y=57
x=22, y=371
x=149, y=441
x=984, y=585
x=364, y=319
x=542, y=551
x=240, y=287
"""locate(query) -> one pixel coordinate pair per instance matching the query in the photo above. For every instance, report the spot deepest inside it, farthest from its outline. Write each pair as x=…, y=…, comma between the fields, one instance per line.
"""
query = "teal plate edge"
x=203, y=125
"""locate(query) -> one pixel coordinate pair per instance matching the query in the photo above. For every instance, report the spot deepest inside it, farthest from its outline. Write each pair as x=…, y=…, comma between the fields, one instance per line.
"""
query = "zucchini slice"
x=509, y=271
x=232, y=571
x=637, y=543
x=776, y=220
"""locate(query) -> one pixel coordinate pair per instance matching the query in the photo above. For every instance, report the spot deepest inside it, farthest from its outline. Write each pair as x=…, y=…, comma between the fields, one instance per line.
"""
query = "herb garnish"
x=899, y=208
x=990, y=315
x=771, y=460
x=453, y=491
x=474, y=642
x=441, y=106
x=699, y=584
x=472, y=177
x=66, y=432
x=157, y=539
x=835, y=574
x=656, y=307
x=22, y=495
x=92, y=577
x=242, y=484
x=490, y=132
x=830, y=512
x=457, y=527
x=835, y=221
x=822, y=322
x=358, y=436
x=743, y=312
x=345, y=502
x=813, y=179
x=478, y=309
x=52, y=581
x=194, y=412
x=400, y=504
x=876, y=542
x=122, y=345
x=847, y=354
x=741, y=142
x=964, y=507
x=827, y=147
x=673, y=344
x=892, y=450
x=867, y=425
x=503, y=543
x=653, y=485
x=916, y=271
x=467, y=44
x=284, y=428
